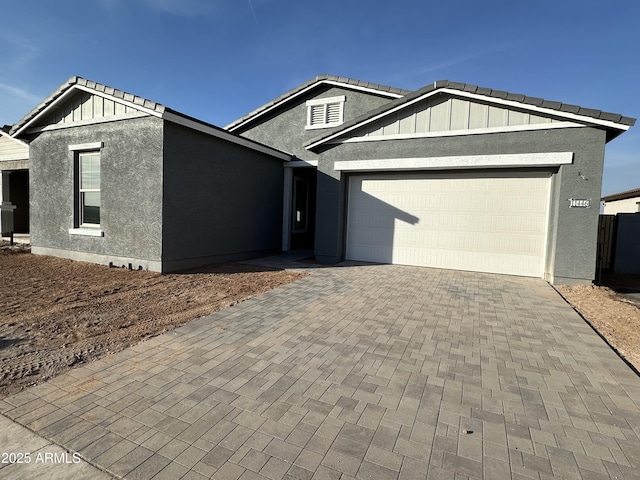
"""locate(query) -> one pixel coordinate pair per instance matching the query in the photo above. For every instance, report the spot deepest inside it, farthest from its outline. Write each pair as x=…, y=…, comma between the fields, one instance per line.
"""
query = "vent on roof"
x=325, y=112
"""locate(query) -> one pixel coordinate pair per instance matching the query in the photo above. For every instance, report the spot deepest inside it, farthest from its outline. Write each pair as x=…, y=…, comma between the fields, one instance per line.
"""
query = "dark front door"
x=303, y=207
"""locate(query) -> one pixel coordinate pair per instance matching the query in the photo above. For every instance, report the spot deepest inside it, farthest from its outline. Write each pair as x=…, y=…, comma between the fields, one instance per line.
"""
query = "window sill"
x=87, y=232
x=322, y=125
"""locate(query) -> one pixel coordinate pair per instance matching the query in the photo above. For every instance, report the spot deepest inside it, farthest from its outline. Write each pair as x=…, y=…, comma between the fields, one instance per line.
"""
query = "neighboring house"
x=623, y=202
x=449, y=176
x=115, y=178
x=622, y=214
x=14, y=184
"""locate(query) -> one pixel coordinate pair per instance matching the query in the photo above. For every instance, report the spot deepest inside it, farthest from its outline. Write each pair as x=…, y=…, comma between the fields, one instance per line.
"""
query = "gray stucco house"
x=449, y=176
x=115, y=178
x=622, y=202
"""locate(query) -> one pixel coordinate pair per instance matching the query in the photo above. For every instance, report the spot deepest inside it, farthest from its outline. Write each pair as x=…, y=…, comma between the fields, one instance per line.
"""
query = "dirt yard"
x=56, y=313
x=613, y=315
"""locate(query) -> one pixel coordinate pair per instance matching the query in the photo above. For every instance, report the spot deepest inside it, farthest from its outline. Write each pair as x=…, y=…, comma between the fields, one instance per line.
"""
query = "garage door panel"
x=492, y=224
x=482, y=262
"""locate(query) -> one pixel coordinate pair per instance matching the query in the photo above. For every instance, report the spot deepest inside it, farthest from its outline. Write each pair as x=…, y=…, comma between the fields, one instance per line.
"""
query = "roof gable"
x=305, y=88
x=446, y=114
x=453, y=108
x=81, y=101
x=83, y=107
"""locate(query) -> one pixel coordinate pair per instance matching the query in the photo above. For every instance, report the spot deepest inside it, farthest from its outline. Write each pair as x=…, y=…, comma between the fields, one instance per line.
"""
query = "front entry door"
x=300, y=220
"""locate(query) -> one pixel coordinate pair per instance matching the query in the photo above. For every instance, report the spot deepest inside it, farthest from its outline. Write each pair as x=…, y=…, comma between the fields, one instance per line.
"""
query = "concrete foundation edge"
x=136, y=263
x=145, y=264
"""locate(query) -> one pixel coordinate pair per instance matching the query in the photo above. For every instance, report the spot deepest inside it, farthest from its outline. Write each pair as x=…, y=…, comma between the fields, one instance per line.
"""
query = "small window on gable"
x=325, y=112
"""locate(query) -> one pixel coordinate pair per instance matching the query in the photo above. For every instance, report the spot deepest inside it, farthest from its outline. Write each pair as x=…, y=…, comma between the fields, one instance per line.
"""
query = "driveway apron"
x=357, y=371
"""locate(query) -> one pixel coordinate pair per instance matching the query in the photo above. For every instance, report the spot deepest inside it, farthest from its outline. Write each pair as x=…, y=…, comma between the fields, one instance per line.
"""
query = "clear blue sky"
x=219, y=59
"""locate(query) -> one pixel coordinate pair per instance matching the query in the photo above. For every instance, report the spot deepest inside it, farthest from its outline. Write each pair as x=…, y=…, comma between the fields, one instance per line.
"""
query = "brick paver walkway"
x=368, y=372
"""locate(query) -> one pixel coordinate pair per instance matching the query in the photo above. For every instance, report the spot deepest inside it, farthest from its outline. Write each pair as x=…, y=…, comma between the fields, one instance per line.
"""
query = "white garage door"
x=486, y=223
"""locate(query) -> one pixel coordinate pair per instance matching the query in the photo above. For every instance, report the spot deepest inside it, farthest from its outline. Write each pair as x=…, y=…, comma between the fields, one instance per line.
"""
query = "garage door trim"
x=547, y=159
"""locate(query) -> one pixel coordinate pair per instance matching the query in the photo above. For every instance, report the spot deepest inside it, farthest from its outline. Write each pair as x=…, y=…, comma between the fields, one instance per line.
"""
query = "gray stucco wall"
x=222, y=201
x=284, y=128
x=131, y=192
x=572, y=232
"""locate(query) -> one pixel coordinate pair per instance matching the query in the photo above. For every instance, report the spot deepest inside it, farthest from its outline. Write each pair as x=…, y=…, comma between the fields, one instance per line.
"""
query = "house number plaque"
x=579, y=203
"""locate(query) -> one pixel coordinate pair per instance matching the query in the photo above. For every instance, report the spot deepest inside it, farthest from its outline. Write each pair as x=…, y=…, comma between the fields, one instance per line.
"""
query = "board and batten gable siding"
x=12, y=150
x=86, y=107
x=447, y=113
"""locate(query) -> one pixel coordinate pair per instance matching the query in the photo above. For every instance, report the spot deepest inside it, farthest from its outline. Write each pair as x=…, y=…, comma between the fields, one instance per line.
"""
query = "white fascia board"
x=550, y=159
x=459, y=133
x=483, y=98
x=310, y=87
x=189, y=123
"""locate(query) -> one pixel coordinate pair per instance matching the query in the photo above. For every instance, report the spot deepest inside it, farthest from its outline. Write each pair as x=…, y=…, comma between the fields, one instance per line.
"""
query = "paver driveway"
x=373, y=371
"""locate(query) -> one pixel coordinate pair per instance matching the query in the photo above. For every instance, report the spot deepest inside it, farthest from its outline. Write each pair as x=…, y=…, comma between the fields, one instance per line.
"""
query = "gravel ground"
x=614, y=315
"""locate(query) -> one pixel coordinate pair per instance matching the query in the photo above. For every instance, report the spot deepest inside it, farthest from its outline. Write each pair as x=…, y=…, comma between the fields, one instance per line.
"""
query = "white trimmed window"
x=87, y=194
x=89, y=188
x=325, y=112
